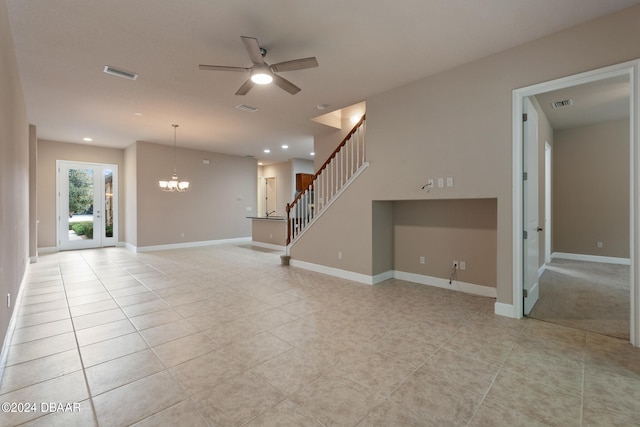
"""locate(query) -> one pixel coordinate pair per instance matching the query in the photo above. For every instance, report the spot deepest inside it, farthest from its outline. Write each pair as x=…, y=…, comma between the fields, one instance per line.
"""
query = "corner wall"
x=14, y=175
x=458, y=124
x=214, y=207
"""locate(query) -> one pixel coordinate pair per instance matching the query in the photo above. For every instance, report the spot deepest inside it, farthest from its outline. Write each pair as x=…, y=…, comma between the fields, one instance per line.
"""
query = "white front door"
x=87, y=205
x=530, y=208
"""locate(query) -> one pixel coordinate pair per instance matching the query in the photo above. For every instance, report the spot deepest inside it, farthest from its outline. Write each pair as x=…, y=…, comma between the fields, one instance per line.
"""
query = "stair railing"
x=337, y=171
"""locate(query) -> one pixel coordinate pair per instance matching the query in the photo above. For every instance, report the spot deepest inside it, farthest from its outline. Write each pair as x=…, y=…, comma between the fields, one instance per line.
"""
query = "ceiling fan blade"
x=285, y=84
x=222, y=68
x=253, y=49
x=246, y=87
x=296, y=64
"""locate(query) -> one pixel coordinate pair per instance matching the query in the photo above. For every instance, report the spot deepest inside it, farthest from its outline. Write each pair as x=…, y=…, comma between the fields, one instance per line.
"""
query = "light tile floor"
x=225, y=335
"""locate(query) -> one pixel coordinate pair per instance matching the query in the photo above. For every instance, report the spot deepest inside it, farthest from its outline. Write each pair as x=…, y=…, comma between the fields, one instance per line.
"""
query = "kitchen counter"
x=269, y=231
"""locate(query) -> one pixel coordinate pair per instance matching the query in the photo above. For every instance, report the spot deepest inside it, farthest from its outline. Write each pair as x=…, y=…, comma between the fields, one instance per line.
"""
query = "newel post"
x=288, y=224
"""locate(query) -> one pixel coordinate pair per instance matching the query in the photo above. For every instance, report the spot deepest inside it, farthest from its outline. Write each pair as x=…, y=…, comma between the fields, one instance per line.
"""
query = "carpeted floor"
x=585, y=295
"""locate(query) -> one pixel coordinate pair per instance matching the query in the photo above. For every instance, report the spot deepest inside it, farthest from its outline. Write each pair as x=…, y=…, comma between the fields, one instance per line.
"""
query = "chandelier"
x=174, y=184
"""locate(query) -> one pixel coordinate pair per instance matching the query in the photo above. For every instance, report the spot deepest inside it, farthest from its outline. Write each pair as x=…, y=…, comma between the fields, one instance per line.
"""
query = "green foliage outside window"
x=80, y=190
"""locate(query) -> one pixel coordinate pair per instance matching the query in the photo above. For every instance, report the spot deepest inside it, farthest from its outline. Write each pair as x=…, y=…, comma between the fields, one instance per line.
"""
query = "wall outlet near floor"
x=339, y=255
x=463, y=265
x=181, y=234
x=599, y=245
x=9, y=300
x=421, y=260
x=456, y=265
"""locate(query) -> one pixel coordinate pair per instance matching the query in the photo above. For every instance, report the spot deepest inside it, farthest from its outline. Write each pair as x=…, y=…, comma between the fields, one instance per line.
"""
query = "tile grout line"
x=75, y=335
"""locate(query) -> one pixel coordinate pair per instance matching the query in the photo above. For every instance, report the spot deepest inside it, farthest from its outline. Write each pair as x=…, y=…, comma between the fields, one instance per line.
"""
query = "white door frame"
x=631, y=69
x=104, y=241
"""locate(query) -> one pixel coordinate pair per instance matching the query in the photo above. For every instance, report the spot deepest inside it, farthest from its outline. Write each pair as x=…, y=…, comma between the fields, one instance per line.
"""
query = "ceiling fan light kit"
x=262, y=73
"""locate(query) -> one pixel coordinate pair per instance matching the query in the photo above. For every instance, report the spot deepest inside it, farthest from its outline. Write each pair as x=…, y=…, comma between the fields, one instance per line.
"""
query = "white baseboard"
x=591, y=258
x=4, y=354
x=239, y=240
x=50, y=250
x=469, y=288
x=336, y=272
x=269, y=246
x=506, y=310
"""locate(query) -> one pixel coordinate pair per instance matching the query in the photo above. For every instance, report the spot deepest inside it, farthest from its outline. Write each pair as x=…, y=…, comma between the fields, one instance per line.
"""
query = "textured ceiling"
x=363, y=47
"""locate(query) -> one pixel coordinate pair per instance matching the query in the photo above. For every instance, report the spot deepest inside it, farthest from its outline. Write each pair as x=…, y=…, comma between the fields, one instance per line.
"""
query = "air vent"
x=562, y=104
x=246, y=108
x=120, y=73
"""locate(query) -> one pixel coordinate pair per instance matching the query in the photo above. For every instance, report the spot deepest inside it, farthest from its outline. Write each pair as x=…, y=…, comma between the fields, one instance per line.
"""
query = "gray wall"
x=14, y=175
x=458, y=123
x=591, y=190
x=214, y=208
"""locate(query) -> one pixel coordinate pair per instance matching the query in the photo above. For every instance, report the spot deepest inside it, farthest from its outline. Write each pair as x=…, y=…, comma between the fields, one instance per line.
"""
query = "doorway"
x=270, y=196
x=630, y=70
x=86, y=205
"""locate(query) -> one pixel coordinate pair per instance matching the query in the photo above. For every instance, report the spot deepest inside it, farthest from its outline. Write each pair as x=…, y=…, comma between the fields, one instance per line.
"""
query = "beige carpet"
x=585, y=295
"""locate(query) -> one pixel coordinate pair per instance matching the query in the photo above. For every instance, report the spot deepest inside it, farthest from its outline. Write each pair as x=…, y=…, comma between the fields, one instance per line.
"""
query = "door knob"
x=539, y=228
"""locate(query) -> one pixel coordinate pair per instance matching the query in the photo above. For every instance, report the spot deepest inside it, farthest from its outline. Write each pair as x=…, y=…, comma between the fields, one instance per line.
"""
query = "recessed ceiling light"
x=355, y=119
x=87, y=139
x=312, y=153
x=260, y=163
x=266, y=150
x=137, y=114
x=284, y=147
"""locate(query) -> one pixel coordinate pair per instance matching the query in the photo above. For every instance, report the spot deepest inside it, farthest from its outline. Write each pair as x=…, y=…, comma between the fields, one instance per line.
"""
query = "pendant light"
x=174, y=184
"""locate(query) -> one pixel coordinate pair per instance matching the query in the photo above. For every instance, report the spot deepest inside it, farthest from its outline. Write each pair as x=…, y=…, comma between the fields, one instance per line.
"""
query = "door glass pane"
x=108, y=203
x=80, y=204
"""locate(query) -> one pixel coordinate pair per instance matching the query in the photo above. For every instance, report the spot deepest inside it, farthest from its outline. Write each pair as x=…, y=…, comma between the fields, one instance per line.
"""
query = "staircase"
x=334, y=176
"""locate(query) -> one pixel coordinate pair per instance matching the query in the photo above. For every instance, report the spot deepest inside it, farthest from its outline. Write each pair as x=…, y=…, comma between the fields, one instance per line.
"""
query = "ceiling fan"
x=263, y=73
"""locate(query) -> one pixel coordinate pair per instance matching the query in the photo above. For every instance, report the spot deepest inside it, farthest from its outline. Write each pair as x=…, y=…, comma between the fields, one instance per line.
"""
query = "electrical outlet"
x=449, y=181
x=8, y=300
x=440, y=182
x=463, y=265
x=339, y=255
x=421, y=260
x=181, y=234
x=455, y=265
x=599, y=244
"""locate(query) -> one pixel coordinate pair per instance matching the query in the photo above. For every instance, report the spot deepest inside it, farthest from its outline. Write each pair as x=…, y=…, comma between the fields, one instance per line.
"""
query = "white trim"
x=591, y=258
x=469, y=288
x=331, y=271
x=47, y=250
x=379, y=278
x=506, y=310
x=541, y=270
x=4, y=354
x=269, y=246
x=238, y=240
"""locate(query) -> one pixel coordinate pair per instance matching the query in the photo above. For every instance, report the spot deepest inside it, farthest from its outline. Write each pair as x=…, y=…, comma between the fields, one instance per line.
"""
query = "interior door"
x=87, y=205
x=270, y=196
x=530, y=209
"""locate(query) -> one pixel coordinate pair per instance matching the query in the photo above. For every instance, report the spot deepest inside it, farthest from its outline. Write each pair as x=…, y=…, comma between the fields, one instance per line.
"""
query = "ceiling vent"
x=246, y=108
x=562, y=104
x=120, y=73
